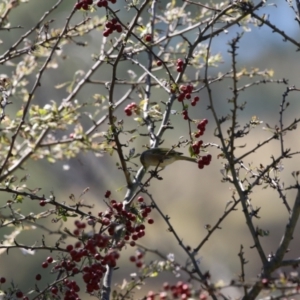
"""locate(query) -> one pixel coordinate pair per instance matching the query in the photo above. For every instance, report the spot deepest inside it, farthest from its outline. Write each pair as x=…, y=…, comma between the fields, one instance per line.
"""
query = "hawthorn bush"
x=87, y=86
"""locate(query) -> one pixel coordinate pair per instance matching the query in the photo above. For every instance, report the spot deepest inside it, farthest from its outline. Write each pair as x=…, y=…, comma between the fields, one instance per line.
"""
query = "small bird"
x=162, y=157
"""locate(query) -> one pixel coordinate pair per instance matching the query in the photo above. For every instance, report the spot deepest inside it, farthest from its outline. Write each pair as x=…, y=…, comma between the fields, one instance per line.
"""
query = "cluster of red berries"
x=19, y=293
x=112, y=26
x=83, y=4
x=71, y=289
x=80, y=226
x=201, y=128
x=185, y=114
x=92, y=275
x=104, y=3
x=204, y=161
x=132, y=107
x=196, y=146
x=179, y=65
x=145, y=210
x=93, y=247
x=48, y=261
x=98, y=248
x=185, y=93
x=132, y=229
x=137, y=258
x=179, y=291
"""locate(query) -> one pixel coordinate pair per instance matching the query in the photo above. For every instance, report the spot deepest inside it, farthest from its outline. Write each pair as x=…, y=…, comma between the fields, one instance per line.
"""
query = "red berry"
x=182, y=88
x=107, y=194
x=76, y=232
x=43, y=202
x=133, y=105
x=188, y=96
x=151, y=295
x=69, y=248
x=196, y=149
x=201, y=126
x=190, y=88
x=88, y=1
x=139, y=264
x=141, y=233
x=2, y=280
x=78, y=244
x=38, y=277
x=54, y=290
x=19, y=294
x=150, y=221
x=199, y=143
x=203, y=297
x=44, y=265
x=140, y=199
x=196, y=99
x=85, y=6
x=113, y=1
x=200, y=132
x=106, y=33
x=158, y=63
x=119, y=28
x=265, y=281
x=78, y=5
x=200, y=164
x=185, y=116
x=109, y=25
x=181, y=97
x=128, y=113
x=49, y=259
x=193, y=103
x=132, y=258
x=97, y=256
x=179, y=62
x=148, y=38
x=166, y=286
x=99, y=3
x=179, y=69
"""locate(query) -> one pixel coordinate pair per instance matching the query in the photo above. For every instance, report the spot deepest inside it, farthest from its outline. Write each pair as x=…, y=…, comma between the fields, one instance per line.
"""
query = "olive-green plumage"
x=162, y=157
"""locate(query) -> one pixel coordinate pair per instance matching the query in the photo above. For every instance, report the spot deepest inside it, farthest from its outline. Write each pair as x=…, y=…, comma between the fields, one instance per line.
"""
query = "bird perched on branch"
x=162, y=157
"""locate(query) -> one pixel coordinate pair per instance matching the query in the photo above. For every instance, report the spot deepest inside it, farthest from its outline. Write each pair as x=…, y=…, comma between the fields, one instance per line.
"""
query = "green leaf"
x=154, y=274
x=51, y=160
x=19, y=199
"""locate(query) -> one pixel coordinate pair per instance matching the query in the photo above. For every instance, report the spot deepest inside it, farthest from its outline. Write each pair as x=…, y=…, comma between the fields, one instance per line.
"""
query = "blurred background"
x=191, y=197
